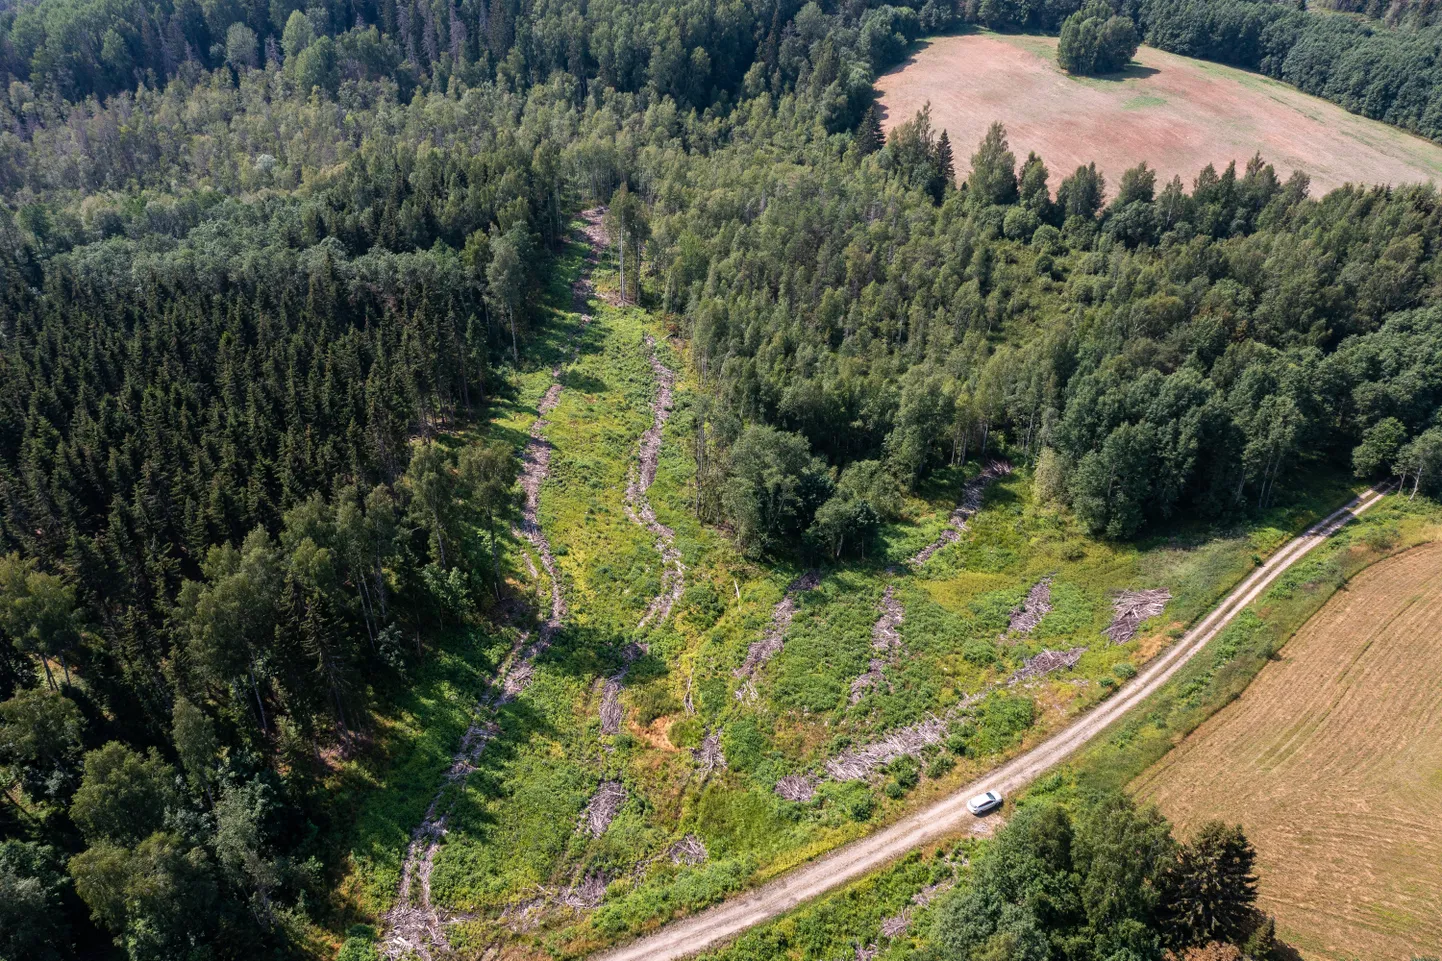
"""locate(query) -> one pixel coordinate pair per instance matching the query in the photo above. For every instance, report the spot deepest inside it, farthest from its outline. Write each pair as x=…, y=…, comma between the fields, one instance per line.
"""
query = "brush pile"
x=971, y=497
x=709, y=755
x=1044, y=663
x=858, y=764
x=794, y=787
x=601, y=809
x=1037, y=605
x=771, y=642
x=1131, y=608
x=689, y=850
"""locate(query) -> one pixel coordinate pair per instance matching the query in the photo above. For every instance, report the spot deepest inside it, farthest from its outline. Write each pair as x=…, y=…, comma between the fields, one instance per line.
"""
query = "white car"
x=984, y=803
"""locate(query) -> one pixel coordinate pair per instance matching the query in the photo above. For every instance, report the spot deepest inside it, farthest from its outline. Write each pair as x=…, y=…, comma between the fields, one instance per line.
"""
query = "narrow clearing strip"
x=414, y=925
x=949, y=815
x=638, y=508
x=638, y=504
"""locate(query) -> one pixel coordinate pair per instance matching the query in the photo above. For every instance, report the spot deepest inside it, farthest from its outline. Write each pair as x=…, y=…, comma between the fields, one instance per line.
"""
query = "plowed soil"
x=1332, y=762
x=1175, y=113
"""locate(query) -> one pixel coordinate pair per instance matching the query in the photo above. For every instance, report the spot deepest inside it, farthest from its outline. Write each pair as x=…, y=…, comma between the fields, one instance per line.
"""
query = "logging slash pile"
x=858, y=764
x=1046, y=662
x=601, y=809
x=794, y=787
x=762, y=651
x=709, y=755
x=885, y=641
x=689, y=851
x=971, y=497
x=1037, y=605
x=1131, y=608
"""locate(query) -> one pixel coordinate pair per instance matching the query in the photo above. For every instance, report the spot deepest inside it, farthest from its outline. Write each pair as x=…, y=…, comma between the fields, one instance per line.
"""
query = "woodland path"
x=414, y=926
x=949, y=815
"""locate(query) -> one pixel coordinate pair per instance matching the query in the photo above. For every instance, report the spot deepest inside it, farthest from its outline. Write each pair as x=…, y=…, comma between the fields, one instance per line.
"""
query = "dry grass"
x=1175, y=113
x=1332, y=762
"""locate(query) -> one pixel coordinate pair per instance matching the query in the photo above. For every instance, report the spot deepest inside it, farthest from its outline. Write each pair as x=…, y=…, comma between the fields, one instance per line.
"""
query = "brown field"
x=1175, y=113
x=1332, y=762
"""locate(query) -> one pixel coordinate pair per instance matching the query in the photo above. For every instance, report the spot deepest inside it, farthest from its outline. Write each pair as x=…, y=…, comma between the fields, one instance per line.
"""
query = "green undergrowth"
x=834, y=925
x=512, y=833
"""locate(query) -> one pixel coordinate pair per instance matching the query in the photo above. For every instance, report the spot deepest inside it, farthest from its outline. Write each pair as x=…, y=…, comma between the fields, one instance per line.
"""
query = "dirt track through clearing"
x=949, y=815
x=638, y=504
x=413, y=926
x=1331, y=760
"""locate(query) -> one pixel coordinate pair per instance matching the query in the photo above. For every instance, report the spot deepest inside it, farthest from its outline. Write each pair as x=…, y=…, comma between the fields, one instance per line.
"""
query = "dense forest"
x=261, y=269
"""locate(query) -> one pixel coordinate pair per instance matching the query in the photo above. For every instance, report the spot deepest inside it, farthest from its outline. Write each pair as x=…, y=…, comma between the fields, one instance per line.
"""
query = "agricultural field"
x=891, y=912
x=1332, y=762
x=1176, y=113
x=653, y=761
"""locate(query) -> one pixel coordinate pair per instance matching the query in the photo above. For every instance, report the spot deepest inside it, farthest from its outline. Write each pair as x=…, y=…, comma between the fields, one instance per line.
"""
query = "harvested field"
x=1175, y=113
x=1332, y=762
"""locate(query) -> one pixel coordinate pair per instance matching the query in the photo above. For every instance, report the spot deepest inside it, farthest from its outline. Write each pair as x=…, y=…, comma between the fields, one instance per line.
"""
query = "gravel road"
x=949, y=815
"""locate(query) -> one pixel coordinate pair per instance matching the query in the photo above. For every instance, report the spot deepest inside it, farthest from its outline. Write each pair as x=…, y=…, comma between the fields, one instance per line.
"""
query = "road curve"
x=949, y=816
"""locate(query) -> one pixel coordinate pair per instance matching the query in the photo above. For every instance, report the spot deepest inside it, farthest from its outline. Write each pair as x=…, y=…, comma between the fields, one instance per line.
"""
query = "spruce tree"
x=869, y=137
x=945, y=167
x=1210, y=892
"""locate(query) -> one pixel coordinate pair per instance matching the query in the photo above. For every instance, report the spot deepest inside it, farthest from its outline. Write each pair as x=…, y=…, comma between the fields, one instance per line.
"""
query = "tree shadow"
x=1132, y=71
x=583, y=383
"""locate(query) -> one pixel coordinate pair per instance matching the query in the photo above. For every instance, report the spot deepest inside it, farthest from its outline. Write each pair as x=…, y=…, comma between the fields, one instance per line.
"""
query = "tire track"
x=949, y=815
x=415, y=926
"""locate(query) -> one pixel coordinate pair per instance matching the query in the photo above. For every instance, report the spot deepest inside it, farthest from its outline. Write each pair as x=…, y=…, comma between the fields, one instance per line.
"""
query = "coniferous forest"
x=264, y=271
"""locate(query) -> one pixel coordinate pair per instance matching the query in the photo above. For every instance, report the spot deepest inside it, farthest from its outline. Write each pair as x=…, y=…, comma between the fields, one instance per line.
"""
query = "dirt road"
x=949, y=815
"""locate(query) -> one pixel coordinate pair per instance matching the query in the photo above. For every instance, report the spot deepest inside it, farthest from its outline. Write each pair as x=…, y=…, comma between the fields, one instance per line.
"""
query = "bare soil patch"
x=1175, y=113
x=1332, y=762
